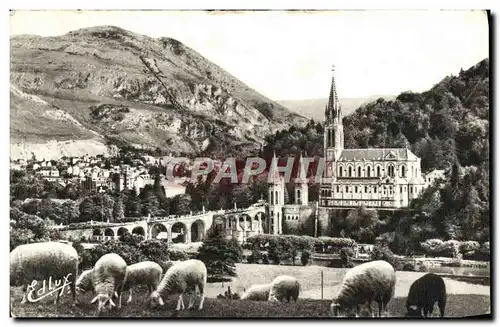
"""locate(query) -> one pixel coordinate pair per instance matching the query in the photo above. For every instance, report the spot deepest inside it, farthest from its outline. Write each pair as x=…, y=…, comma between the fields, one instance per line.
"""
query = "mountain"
x=96, y=88
x=315, y=108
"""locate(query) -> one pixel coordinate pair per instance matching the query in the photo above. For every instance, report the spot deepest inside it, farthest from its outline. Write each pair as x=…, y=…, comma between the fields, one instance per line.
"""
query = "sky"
x=289, y=55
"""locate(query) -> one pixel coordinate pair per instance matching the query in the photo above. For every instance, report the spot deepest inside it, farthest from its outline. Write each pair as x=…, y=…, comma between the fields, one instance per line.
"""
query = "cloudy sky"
x=288, y=55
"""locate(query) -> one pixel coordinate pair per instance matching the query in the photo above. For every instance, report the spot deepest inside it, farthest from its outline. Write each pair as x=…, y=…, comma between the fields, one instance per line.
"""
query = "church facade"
x=380, y=178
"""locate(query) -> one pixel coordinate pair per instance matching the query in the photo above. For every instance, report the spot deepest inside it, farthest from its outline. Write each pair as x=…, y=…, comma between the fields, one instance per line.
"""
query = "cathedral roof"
x=384, y=154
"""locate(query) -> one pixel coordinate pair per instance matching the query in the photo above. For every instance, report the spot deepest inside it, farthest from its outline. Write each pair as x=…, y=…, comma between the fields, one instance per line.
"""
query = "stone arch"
x=350, y=170
x=109, y=232
x=138, y=230
x=157, y=229
x=179, y=230
x=369, y=170
x=390, y=170
x=341, y=170
x=122, y=231
x=198, y=231
x=378, y=170
x=403, y=170
x=97, y=232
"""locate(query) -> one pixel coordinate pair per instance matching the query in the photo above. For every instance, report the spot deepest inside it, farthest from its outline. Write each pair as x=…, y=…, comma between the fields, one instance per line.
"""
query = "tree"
x=118, y=211
x=70, y=212
x=361, y=225
x=87, y=208
x=304, y=257
x=220, y=256
x=242, y=195
x=149, y=201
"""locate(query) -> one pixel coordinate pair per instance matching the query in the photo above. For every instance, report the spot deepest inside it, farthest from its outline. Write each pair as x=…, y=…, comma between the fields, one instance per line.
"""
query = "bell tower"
x=334, y=130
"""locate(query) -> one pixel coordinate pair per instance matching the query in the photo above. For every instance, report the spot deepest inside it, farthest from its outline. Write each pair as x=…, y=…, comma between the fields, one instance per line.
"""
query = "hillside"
x=92, y=86
x=315, y=108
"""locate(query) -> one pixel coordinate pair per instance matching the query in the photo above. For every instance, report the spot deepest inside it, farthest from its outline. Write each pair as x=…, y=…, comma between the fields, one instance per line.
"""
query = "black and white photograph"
x=272, y=164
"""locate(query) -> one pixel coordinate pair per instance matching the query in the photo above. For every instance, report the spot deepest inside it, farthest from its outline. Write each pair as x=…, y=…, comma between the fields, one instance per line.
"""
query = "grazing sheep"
x=370, y=281
x=259, y=292
x=108, y=277
x=284, y=287
x=166, y=265
x=143, y=273
x=424, y=292
x=84, y=282
x=181, y=278
x=41, y=261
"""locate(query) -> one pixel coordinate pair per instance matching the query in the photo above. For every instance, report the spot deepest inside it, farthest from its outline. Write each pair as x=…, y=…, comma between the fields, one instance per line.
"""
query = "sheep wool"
x=181, y=278
x=41, y=261
x=258, y=292
x=371, y=281
x=108, y=277
x=143, y=273
x=84, y=282
x=284, y=287
x=424, y=293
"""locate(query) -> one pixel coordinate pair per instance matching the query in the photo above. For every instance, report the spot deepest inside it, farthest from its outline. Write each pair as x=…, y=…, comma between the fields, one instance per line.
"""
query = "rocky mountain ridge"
x=109, y=86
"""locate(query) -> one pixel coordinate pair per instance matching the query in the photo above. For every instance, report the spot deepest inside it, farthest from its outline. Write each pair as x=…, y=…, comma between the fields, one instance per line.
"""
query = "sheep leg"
x=129, y=296
x=191, y=301
x=201, y=288
x=441, y=304
x=425, y=312
x=25, y=290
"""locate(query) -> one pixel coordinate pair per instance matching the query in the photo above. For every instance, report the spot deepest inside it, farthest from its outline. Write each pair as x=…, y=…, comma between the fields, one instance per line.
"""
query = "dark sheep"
x=423, y=294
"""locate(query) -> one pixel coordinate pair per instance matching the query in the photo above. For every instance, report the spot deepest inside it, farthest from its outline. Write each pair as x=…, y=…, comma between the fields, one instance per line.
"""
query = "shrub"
x=431, y=246
x=383, y=253
x=346, y=256
x=413, y=266
x=265, y=259
x=255, y=257
x=304, y=257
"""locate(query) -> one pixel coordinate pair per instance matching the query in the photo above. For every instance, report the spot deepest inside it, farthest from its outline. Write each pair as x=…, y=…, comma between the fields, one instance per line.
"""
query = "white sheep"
x=41, y=261
x=108, y=276
x=143, y=273
x=284, y=287
x=84, y=282
x=182, y=278
x=371, y=281
x=168, y=264
x=258, y=292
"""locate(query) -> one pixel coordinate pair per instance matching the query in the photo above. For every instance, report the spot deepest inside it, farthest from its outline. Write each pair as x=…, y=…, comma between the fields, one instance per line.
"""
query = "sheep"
x=84, y=282
x=179, y=279
x=284, y=287
x=424, y=292
x=258, y=292
x=143, y=273
x=41, y=261
x=166, y=265
x=370, y=281
x=108, y=276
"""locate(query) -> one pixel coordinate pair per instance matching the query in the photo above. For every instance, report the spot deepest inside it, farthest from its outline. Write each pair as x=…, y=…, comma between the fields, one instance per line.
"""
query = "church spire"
x=333, y=109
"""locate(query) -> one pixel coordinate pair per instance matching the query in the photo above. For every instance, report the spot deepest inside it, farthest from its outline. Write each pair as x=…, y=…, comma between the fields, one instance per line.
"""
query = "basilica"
x=376, y=178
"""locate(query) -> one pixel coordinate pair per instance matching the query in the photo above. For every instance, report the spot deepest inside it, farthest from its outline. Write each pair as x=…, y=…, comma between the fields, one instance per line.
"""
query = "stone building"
x=380, y=178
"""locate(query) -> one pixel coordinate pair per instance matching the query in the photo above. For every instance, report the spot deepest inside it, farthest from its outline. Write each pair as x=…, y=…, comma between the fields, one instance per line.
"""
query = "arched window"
x=272, y=198
x=340, y=171
x=378, y=171
x=349, y=171
x=359, y=171
x=298, y=195
x=276, y=197
x=390, y=169
x=355, y=189
x=368, y=171
x=403, y=171
x=346, y=188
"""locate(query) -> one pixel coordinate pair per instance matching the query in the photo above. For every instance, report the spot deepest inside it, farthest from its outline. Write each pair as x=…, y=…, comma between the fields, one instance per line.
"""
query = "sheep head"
x=156, y=299
x=103, y=299
x=413, y=311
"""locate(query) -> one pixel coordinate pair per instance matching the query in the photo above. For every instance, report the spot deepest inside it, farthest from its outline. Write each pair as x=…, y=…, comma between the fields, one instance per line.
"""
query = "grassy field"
x=463, y=299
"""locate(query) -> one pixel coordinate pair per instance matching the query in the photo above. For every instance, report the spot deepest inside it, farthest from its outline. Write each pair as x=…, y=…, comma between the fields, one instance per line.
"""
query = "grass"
x=457, y=306
x=463, y=299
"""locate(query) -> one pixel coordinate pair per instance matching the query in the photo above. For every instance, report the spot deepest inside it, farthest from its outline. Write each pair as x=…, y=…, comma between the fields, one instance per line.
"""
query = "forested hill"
x=448, y=123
